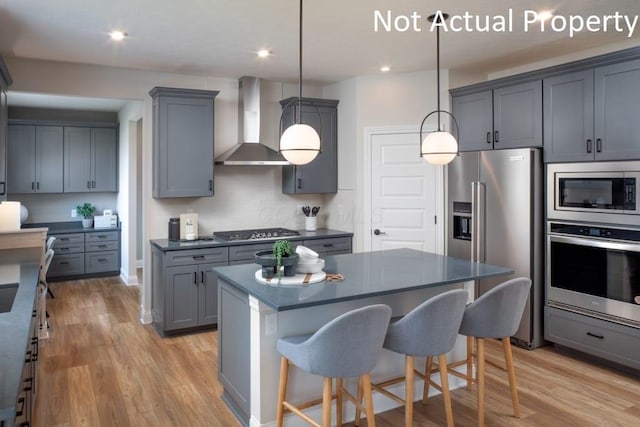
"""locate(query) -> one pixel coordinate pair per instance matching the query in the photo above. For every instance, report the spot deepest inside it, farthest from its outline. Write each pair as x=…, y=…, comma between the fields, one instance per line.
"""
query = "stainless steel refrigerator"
x=495, y=215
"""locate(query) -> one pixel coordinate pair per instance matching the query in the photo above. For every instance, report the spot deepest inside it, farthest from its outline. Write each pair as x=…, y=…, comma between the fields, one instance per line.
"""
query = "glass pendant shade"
x=299, y=144
x=439, y=148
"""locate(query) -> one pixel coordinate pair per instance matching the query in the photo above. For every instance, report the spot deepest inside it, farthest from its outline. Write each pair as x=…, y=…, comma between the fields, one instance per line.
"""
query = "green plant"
x=86, y=210
x=281, y=248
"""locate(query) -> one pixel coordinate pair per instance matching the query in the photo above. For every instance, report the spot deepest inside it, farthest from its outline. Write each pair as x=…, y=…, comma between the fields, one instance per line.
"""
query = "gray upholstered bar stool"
x=346, y=347
x=495, y=314
x=428, y=330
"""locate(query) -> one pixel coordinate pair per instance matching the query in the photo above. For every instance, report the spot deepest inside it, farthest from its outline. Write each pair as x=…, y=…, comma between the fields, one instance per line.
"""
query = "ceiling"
x=220, y=37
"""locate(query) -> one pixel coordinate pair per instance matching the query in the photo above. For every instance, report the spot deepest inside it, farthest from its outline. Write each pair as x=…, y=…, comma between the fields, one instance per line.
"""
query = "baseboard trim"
x=128, y=280
x=145, y=316
x=139, y=263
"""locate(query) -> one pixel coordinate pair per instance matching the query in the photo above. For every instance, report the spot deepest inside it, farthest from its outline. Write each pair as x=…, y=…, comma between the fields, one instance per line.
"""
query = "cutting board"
x=297, y=280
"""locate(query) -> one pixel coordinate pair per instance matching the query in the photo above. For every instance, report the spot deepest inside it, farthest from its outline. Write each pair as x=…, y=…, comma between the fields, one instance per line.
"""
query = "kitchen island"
x=252, y=316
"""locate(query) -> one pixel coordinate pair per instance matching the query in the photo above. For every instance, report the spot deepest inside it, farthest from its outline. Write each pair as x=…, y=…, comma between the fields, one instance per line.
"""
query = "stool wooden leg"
x=480, y=351
x=359, y=405
x=408, y=390
x=508, y=358
x=326, y=402
x=282, y=389
x=470, y=341
x=366, y=389
x=339, y=402
x=444, y=385
x=427, y=377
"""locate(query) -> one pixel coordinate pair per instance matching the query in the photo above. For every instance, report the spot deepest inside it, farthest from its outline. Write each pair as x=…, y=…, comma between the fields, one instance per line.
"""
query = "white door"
x=406, y=195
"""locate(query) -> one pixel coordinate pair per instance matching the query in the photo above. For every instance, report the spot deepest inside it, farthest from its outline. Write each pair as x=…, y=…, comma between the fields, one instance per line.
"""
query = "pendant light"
x=438, y=147
x=299, y=143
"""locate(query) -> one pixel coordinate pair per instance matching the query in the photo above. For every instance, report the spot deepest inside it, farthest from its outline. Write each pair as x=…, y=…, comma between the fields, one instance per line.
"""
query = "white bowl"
x=306, y=253
x=315, y=267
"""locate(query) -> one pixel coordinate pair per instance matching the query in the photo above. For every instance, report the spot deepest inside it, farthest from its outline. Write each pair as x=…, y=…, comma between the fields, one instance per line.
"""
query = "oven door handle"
x=595, y=243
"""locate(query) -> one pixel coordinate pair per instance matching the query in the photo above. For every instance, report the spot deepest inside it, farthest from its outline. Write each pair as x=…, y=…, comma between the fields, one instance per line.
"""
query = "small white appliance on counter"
x=188, y=226
x=105, y=221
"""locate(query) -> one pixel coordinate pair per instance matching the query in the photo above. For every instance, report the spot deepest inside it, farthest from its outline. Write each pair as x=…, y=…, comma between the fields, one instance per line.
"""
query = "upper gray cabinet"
x=183, y=132
x=34, y=159
x=321, y=175
x=5, y=82
x=505, y=117
x=90, y=159
x=592, y=114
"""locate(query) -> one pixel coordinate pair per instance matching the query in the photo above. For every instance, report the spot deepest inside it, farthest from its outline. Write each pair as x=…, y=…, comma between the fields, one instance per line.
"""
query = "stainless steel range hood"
x=250, y=150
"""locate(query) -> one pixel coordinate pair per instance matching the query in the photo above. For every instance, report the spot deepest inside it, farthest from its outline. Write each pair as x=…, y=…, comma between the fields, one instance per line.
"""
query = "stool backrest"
x=497, y=313
x=349, y=345
x=50, y=241
x=431, y=328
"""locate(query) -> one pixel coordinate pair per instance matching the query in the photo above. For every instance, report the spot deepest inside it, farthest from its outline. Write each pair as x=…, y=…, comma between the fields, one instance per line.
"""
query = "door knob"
x=377, y=232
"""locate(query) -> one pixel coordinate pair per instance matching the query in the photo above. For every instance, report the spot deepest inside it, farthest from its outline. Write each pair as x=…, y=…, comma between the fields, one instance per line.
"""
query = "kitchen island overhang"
x=252, y=316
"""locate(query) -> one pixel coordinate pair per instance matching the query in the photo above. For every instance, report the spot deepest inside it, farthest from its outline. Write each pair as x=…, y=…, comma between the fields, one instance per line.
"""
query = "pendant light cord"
x=438, y=70
x=300, y=67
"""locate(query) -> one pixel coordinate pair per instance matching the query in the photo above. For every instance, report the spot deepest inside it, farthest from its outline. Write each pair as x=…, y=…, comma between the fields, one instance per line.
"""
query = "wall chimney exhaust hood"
x=250, y=150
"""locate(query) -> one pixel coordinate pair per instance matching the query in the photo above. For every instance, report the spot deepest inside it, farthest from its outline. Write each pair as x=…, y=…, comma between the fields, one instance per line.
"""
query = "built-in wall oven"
x=594, y=270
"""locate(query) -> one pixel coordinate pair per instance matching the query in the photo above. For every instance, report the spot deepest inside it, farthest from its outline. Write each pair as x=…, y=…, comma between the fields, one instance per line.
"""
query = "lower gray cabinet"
x=329, y=246
x=185, y=288
x=86, y=254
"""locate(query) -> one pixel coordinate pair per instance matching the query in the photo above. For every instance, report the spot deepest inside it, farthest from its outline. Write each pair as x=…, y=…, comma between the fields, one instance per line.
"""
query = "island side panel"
x=234, y=347
x=267, y=326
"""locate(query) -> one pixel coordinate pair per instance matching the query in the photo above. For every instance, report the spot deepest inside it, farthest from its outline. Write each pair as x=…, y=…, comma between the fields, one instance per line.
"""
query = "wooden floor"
x=101, y=367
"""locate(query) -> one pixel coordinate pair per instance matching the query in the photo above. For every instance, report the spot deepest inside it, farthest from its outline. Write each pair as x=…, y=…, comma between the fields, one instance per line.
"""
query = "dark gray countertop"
x=366, y=274
x=21, y=266
x=67, y=227
x=168, y=245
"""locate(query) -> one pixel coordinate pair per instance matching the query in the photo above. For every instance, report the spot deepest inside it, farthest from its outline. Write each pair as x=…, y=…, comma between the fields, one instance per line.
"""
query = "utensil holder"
x=311, y=223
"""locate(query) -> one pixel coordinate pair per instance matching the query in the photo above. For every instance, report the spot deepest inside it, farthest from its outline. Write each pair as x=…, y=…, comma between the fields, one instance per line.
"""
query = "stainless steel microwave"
x=604, y=192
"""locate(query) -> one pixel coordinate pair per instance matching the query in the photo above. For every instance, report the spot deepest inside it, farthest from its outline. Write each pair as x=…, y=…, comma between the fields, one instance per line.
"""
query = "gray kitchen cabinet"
x=34, y=159
x=592, y=115
x=321, y=175
x=504, y=117
x=617, y=122
x=183, y=140
x=90, y=159
x=185, y=288
x=568, y=117
x=5, y=81
x=329, y=246
x=85, y=254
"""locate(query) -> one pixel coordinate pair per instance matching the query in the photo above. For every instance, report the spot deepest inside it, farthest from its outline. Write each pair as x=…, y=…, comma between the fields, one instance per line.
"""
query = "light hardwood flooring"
x=101, y=367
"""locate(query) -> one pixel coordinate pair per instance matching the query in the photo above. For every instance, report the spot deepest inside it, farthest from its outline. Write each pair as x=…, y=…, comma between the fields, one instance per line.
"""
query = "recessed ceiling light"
x=117, y=35
x=544, y=15
x=385, y=68
x=263, y=53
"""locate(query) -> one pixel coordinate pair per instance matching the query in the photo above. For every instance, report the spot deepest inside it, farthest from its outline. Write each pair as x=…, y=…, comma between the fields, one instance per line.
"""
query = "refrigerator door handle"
x=478, y=198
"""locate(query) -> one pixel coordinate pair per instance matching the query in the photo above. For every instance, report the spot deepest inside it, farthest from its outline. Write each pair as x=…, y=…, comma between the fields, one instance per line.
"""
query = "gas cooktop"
x=257, y=234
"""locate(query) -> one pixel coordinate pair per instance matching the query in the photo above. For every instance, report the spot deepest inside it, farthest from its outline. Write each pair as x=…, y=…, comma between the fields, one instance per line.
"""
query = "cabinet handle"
x=89, y=184
x=589, y=145
x=64, y=263
x=102, y=246
x=600, y=337
x=327, y=245
x=599, y=145
x=93, y=184
x=299, y=183
x=102, y=236
x=63, y=239
x=195, y=278
x=210, y=185
x=102, y=259
x=37, y=185
x=28, y=384
x=202, y=277
x=33, y=185
x=20, y=411
x=488, y=138
x=496, y=138
x=4, y=188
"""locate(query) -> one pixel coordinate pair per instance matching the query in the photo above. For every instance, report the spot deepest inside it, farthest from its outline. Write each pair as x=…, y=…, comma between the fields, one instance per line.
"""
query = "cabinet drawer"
x=101, y=246
x=102, y=236
x=98, y=262
x=333, y=245
x=67, y=248
x=67, y=239
x=66, y=265
x=246, y=252
x=611, y=341
x=196, y=256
